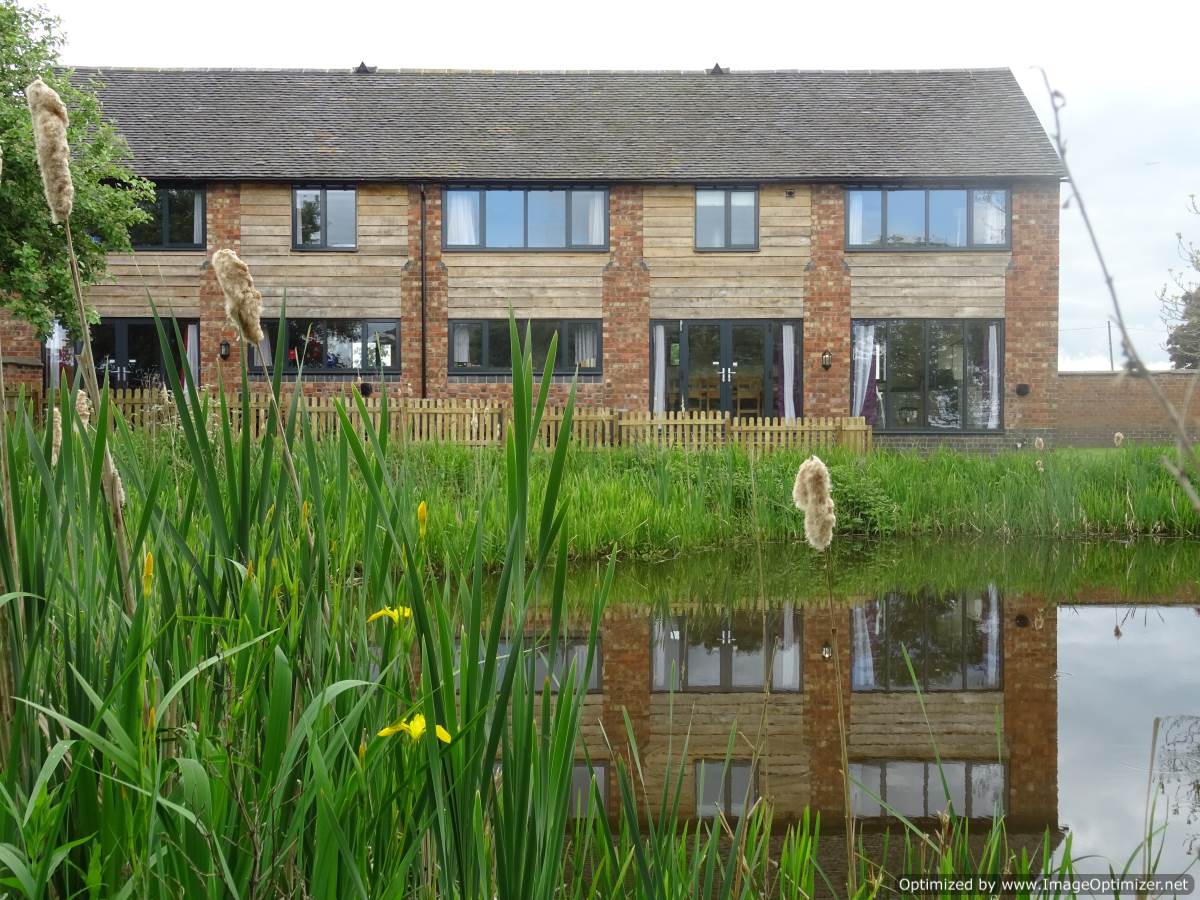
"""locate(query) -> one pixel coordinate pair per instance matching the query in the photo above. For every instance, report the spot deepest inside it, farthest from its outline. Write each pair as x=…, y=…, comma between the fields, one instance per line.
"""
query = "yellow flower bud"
x=148, y=574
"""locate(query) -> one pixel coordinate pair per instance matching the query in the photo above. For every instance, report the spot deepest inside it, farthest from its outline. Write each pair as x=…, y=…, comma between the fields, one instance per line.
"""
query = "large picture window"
x=953, y=643
x=726, y=219
x=735, y=651
x=176, y=220
x=928, y=374
x=518, y=218
x=915, y=789
x=930, y=219
x=484, y=346
x=351, y=346
x=324, y=217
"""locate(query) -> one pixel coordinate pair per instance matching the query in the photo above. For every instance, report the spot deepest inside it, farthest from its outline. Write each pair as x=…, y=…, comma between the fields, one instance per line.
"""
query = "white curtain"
x=993, y=376
x=660, y=369
x=863, y=673
x=785, y=667
x=585, y=346
x=55, y=345
x=864, y=358
x=462, y=218
x=789, y=372
x=595, y=215
x=991, y=217
x=191, y=347
x=856, y=217
x=992, y=632
x=462, y=347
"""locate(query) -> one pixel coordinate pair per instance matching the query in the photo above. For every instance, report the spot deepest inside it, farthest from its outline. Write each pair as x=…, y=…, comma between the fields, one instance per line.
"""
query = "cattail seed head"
x=1039, y=466
x=1039, y=444
x=812, y=493
x=1118, y=439
x=55, y=436
x=119, y=488
x=243, y=303
x=53, y=153
x=83, y=408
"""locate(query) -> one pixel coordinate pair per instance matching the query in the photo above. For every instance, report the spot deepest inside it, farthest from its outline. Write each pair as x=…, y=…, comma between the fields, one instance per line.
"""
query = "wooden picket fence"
x=484, y=424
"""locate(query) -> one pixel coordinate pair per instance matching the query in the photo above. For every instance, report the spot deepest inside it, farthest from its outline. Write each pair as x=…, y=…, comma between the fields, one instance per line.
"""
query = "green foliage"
x=34, y=269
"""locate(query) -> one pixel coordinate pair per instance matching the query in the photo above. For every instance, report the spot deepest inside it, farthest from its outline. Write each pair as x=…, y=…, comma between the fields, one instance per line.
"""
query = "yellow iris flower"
x=422, y=518
x=396, y=614
x=414, y=728
x=148, y=574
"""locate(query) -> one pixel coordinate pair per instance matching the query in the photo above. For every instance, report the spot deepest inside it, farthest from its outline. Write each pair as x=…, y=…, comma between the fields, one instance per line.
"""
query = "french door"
x=128, y=355
x=742, y=367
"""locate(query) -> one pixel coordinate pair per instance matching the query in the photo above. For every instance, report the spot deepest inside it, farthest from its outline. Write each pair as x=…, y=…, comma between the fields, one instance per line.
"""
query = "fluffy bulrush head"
x=83, y=408
x=1118, y=439
x=55, y=436
x=243, y=303
x=53, y=152
x=812, y=493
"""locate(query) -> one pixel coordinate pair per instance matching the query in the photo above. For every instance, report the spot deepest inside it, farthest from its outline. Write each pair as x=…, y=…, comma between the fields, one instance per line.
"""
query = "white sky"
x=1128, y=72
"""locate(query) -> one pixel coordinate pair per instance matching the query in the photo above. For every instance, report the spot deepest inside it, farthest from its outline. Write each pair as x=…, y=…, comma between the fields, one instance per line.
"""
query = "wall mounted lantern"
x=827, y=360
x=224, y=350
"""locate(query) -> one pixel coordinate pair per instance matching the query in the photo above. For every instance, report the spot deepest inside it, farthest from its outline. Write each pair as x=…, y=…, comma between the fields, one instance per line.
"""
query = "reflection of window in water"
x=540, y=663
x=721, y=790
x=1178, y=774
x=916, y=790
x=953, y=642
x=581, y=788
x=735, y=651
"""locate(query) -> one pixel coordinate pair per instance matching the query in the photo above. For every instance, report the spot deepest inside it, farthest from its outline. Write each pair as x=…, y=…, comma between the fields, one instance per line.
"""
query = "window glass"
x=981, y=646
x=741, y=790
x=185, y=220
x=462, y=218
x=710, y=789
x=710, y=219
x=504, y=218
x=308, y=217
x=499, y=345
x=864, y=212
x=990, y=217
x=943, y=648
x=588, y=216
x=340, y=218
x=747, y=651
x=784, y=629
x=945, y=374
x=742, y=219
x=148, y=233
x=905, y=375
x=467, y=345
x=341, y=343
x=383, y=345
x=948, y=218
x=667, y=640
x=581, y=789
x=704, y=641
x=865, y=786
x=547, y=218
x=987, y=790
x=541, y=333
x=982, y=385
x=104, y=350
x=583, y=348
x=905, y=786
x=556, y=666
x=905, y=217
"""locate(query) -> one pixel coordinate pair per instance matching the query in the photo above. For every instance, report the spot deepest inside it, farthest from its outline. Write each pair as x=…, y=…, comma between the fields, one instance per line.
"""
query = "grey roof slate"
x=604, y=126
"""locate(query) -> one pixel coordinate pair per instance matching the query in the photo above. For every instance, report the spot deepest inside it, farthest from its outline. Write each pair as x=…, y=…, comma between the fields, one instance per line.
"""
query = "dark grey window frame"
x=969, y=764
x=729, y=189
x=726, y=686
x=727, y=774
x=970, y=247
x=160, y=200
x=120, y=326
x=487, y=368
x=323, y=247
x=481, y=247
x=925, y=429
x=923, y=676
x=258, y=362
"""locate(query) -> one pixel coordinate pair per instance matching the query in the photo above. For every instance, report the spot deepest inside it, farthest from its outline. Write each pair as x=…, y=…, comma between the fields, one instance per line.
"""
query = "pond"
x=1059, y=684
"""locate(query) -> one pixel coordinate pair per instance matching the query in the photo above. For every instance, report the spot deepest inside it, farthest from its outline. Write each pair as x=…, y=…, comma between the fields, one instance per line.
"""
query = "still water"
x=1060, y=685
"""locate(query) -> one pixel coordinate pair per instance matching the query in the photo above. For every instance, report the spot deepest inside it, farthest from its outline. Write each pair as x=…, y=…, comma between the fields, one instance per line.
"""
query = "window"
x=542, y=665
x=550, y=218
x=176, y=220
x=128, y=354
x=952, y=641
x=915, y=789
x=352, y=346
x=581, y=789
x=725, y=789
x=926, y=219
x=484, y=347
x=738, y=651
x=324, y=217
x=928, y=374
x=726, y=219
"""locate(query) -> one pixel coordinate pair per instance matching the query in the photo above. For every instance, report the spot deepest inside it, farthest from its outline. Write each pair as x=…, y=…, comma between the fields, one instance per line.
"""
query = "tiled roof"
x=637, y=126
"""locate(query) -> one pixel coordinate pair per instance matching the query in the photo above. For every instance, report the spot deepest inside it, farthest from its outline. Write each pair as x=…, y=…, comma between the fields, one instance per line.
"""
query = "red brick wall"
x=626, y=305
x=827, y=787
x=1031, y=711
x=22, y=351
x=1093, y=406
x=435, y=336
x=223, y=217
x=1031, y=309
x=827, y=308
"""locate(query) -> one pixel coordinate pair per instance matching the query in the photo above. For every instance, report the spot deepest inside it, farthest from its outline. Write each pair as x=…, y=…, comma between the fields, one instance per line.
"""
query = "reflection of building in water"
x=984, y=665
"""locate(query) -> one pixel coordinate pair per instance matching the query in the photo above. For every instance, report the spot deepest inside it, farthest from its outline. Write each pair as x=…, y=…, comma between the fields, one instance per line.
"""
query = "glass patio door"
x=746, y=370
x=706, y=365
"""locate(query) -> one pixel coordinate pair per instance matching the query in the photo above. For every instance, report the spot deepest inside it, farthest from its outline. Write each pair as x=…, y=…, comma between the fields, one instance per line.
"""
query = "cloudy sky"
x=1132, y=118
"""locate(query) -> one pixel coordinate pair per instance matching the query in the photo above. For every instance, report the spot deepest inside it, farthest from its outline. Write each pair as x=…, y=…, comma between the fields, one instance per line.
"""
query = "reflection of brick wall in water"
x=826, y=788
x=1031, y=711
x=1094, y=405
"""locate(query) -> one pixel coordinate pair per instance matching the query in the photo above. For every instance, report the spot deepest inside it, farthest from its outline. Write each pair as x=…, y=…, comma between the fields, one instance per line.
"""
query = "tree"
x=35, y=281
x=1181, y=307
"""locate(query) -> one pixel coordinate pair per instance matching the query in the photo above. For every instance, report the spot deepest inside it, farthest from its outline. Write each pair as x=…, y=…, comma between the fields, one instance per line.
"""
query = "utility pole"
x=1112, y=367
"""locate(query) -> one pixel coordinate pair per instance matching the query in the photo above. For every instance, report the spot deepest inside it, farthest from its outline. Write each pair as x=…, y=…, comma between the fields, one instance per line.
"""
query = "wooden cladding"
x=925, y=285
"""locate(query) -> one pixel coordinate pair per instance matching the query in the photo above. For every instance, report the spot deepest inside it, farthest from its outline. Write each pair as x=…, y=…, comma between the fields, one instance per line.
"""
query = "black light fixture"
x=827, y=359
x=224, y=350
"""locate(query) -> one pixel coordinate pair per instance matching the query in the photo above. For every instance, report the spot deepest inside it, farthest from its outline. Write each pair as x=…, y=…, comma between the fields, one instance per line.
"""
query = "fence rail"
x=485, y=424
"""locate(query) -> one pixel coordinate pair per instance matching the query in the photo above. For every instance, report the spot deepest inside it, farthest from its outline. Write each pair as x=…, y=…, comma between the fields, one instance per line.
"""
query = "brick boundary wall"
x=22, y=349
x=1092, y=406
